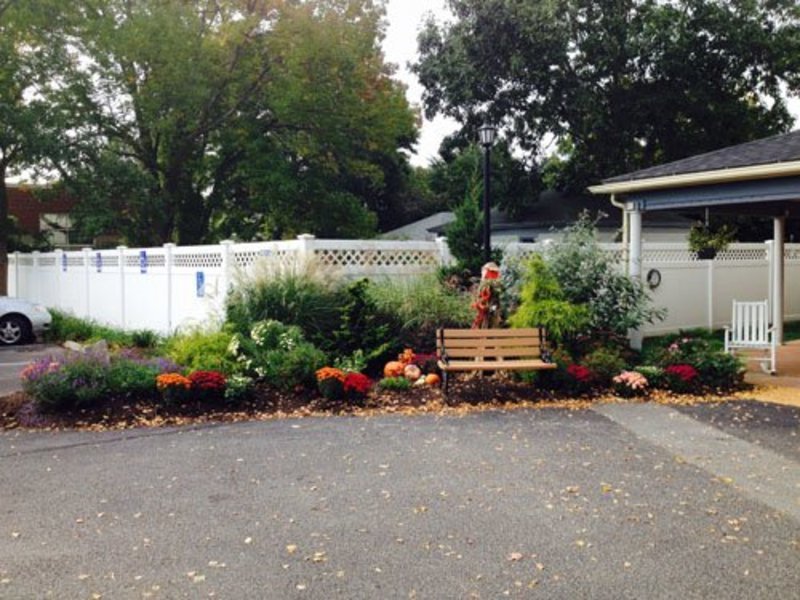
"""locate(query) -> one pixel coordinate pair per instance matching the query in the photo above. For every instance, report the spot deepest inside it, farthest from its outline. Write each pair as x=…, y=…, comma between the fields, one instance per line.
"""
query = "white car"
x=21, y=320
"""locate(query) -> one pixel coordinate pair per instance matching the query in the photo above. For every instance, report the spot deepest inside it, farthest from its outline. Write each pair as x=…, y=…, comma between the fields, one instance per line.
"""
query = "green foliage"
x=400, y=384
x=654, y=375
x=542, y=304
x=66, y=327
x=704, y=352
x=278, y=355
x=457, y=174
x=616, y=85
x=363, y=327
x=303, y=298
x=251, y=118
x=703, y=237
x=201, y=350
x=421, y=305
x=465, y=234
x=588, y=276
x=604, y=363
x=131, y=379
x=79, y=381
x=239, y=389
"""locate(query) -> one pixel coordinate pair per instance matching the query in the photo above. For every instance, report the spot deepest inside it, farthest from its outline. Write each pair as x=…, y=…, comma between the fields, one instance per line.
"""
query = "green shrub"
x=465, y=233
x=66, y=327
x=277, y=354
x=56, y=385
x=421, y=305
x=716, y=370
x=239, y=389
x=604, y=363
x=303, y=298
x=365, y=331
x=201, y=350
x=542, y=304
x=394, y=383
x=130, y=379
x=588, y=276
x=654, y=375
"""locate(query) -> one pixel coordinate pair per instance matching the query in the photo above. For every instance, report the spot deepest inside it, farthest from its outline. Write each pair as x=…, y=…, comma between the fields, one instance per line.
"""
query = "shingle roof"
x=778, y=148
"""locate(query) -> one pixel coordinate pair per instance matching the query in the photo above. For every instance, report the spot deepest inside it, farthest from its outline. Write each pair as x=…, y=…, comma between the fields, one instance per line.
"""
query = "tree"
x=617, y=84
x=26, y=61
x=514, y=186
x=331, y=163
x=187, y=121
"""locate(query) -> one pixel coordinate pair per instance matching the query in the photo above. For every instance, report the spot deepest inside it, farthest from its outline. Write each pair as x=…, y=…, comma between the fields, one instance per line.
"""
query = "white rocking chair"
x=750, y=330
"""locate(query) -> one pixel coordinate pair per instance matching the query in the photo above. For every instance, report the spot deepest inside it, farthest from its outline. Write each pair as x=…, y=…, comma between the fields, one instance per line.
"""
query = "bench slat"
x=489, y=333
x=526, y=342
x=492, y=352
x=495, y=365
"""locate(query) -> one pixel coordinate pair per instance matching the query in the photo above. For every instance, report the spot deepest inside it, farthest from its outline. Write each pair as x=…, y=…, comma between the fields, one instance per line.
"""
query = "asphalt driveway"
x=629, y=501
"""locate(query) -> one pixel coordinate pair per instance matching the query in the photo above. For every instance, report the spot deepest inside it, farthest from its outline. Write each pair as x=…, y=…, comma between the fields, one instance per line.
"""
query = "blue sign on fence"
x=143, y=261
x=98, y=261
x=201, y=284
x=64, y=262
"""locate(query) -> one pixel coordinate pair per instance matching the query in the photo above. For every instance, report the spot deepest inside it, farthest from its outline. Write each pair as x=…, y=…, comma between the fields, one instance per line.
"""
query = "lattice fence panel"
x=75, y=261
x=791, y=253
x=205, y=260
x=352, y=258
x=47, y=261
x=26, y=261
x=153, y=260
x=668, y=255
x=247, y=258
x=734, y=253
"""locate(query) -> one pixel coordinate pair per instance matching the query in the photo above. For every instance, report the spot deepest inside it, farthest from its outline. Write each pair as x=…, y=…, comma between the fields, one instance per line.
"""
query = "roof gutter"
x=773, y=170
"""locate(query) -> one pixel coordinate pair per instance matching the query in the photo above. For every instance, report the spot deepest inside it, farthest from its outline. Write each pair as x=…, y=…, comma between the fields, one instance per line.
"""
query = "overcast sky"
x=400, y=46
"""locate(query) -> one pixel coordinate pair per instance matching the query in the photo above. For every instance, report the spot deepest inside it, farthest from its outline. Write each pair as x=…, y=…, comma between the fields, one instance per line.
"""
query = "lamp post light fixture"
x=487, y=134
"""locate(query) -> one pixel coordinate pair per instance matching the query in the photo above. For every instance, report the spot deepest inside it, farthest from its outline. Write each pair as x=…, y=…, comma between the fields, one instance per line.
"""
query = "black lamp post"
x=487, y=133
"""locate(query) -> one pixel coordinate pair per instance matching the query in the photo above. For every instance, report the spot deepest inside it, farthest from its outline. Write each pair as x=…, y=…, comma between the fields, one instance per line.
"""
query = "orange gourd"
x=393, y=368
x=433, y=379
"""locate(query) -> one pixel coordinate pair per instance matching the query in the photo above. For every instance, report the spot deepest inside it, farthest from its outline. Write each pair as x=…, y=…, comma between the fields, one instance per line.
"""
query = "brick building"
x=34, y=216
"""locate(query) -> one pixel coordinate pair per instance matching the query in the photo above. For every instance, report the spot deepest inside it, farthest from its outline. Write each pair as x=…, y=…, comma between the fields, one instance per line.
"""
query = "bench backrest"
x=507, y=344
x=750, y=322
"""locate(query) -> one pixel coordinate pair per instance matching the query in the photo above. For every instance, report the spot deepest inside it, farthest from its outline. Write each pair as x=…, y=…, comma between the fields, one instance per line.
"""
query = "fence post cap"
x=226, y=242
x=122, y=247
x=167, y=245
x=306, y=236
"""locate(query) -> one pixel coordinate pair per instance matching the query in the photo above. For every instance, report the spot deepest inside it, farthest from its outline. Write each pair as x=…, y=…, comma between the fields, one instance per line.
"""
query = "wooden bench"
x=491, y=350
x=750, y=330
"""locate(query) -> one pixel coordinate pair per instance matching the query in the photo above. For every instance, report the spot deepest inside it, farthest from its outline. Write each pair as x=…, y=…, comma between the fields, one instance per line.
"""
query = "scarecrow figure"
x=487, y=304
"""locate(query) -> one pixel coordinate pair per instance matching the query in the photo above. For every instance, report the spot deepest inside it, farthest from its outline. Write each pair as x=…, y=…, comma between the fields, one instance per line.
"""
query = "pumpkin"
x=433, y=379
x=412, y=372
x=393, y=368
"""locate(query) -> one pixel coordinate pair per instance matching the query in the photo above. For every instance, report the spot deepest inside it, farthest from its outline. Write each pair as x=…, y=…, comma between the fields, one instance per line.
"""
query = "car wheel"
x=14, y=329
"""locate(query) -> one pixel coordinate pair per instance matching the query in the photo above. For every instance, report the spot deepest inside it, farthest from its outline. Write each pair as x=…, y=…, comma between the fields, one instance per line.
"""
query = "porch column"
x=777, y=277
x=635, y=262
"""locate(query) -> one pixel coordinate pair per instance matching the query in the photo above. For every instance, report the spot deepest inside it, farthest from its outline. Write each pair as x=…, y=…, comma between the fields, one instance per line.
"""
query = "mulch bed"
x=467, y=394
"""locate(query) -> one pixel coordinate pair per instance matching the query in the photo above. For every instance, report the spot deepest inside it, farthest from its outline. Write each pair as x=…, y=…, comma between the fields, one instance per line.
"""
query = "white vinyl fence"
x=169, y=287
